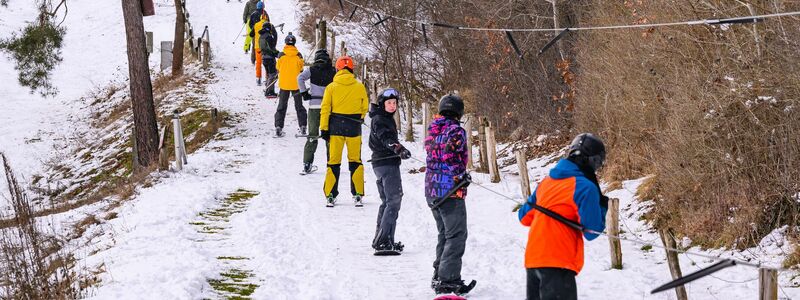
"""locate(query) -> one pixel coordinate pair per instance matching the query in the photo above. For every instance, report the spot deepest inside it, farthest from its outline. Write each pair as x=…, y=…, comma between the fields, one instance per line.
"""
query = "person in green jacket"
x=249, y=7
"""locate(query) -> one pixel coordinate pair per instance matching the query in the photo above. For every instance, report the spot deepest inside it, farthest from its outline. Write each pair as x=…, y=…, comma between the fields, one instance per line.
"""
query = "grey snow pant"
x=551, y=284
x=390, y=188
x=451, y=221
x=283, y=104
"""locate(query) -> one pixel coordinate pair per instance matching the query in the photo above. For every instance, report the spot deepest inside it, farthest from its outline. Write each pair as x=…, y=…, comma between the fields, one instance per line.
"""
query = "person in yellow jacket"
x=289, y=65
x=344, y=105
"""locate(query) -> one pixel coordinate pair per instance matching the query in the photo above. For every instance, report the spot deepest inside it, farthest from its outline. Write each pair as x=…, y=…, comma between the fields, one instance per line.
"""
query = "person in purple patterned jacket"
x=446, y=146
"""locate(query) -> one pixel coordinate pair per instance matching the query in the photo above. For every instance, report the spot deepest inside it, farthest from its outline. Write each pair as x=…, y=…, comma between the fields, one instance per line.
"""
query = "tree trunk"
x=144, y=114
x=177, y=46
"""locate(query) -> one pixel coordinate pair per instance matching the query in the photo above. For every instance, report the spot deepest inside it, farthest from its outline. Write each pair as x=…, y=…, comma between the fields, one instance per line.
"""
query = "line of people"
x=338, y=105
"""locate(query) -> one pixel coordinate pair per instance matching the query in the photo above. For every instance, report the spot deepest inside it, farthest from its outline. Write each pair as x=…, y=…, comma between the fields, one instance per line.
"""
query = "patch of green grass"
x=647, y=248
x=232, y=258
x=233, y=284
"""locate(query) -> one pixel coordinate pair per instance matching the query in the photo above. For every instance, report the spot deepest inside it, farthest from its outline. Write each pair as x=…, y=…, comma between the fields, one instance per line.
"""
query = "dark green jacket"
x=248, y=9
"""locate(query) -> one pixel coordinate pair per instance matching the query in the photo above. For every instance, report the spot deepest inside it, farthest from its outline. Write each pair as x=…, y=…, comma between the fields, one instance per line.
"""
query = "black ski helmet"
x=290, y=39
x=451, y=105
x=588, y=147
x=386, y=94
x=321, y=56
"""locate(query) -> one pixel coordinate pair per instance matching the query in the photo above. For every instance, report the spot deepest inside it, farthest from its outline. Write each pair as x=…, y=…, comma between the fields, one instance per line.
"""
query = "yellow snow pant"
x=248, y=40
x=336, y=145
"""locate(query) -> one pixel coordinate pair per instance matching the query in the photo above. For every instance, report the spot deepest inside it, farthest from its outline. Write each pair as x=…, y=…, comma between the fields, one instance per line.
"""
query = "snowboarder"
x=289, y=65
x=386, y=154
x=446, y=170
x=257, y=37
x=320, y=74
x=249, y=7
x=268, y=39
x=554, y=254
x=344, y=105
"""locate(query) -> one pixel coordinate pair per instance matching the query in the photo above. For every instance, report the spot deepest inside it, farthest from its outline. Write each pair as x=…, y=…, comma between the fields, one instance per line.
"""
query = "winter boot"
x=330, y=201
x=357, y=200
x=258, y=81
x=279, y=132
x=302, y=130
x=456, y=287
x=435, y=279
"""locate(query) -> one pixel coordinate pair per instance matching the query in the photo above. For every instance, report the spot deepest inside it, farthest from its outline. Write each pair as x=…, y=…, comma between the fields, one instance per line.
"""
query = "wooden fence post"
x=468, y=130
x=333, y=46
x=524, y=180
x=343, y=49
x=767, y=284
x=176, y=127
x=323, y=35
x=613, y=229
x=163, y=151
x=426, y=117
x=491, y=147
x=484, y=163
x=672, y=261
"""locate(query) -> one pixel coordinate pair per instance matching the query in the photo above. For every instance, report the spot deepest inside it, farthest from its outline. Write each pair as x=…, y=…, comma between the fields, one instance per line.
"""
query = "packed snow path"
x=240, y=219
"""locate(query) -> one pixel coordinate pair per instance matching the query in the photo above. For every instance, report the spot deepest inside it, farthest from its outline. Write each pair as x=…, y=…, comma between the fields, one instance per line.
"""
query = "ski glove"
x=306, y=95
x=603, y=201
x=325, y=135
x=401, y=151
x=464, y=177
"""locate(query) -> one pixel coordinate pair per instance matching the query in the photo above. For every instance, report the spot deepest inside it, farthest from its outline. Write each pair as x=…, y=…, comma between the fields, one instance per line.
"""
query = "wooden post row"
x=484, y=164
x=612, y=222
x=468, y=130
x=491, y=147
x=767, y=284
x=673, y=262
x=524, y=180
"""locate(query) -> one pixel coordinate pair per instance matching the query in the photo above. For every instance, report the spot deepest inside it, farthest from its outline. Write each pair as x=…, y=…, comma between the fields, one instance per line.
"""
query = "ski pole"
x=383, y=158
x=313, y=137
x=239, y=34
x=449, y=193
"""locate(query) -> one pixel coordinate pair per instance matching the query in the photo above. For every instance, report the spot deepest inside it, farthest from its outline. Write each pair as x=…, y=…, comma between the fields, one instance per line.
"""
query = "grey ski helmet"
x=290, y=39
x=451, y=105
x=321, y=56
x=589, y=147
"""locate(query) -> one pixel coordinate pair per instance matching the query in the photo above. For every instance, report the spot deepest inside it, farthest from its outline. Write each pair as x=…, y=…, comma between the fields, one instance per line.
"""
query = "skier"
x=255, y=17
x=320, y=74
x=344, y=105
x=289, y=65
x=249, y=7
x=554, y=254
x=446, y=169
x=268, y=38
x=257, y=37
x=386, y=154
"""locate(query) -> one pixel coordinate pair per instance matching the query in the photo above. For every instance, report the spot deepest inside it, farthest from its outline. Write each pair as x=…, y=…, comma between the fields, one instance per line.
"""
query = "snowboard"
x=387, y=252
x=466, y=290
x=449, y=297
x=313, y=169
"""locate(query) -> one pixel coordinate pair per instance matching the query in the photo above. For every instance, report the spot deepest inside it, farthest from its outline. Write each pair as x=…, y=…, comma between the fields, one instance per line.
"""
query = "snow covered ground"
x=240, y=218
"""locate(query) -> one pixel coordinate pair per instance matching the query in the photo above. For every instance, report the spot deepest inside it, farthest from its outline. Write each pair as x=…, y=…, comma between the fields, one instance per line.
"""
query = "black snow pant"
x=451, y=221
x=390, y=188
x=283, y=103
x=272, y=74
x=551, y=284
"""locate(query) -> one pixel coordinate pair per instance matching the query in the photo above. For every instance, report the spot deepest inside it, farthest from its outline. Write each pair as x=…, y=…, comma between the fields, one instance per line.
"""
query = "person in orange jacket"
x=554, y=254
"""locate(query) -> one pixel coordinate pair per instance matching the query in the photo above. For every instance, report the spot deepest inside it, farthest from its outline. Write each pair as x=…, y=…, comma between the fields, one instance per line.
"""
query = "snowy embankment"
x=239, y=220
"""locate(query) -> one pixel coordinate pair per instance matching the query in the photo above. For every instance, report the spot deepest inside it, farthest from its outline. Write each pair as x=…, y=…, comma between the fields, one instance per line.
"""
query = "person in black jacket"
x=386, y=154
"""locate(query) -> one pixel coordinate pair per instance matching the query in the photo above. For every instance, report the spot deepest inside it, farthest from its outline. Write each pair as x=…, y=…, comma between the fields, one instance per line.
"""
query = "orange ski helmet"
x=345, y=62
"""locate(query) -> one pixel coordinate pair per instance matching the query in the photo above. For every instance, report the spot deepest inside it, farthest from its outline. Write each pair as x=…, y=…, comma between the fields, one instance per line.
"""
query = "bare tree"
x=177, y=47
x=144, y=114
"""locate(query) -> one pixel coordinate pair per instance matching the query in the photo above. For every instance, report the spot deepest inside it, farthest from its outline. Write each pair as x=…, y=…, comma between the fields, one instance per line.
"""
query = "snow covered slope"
x=239, y=220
